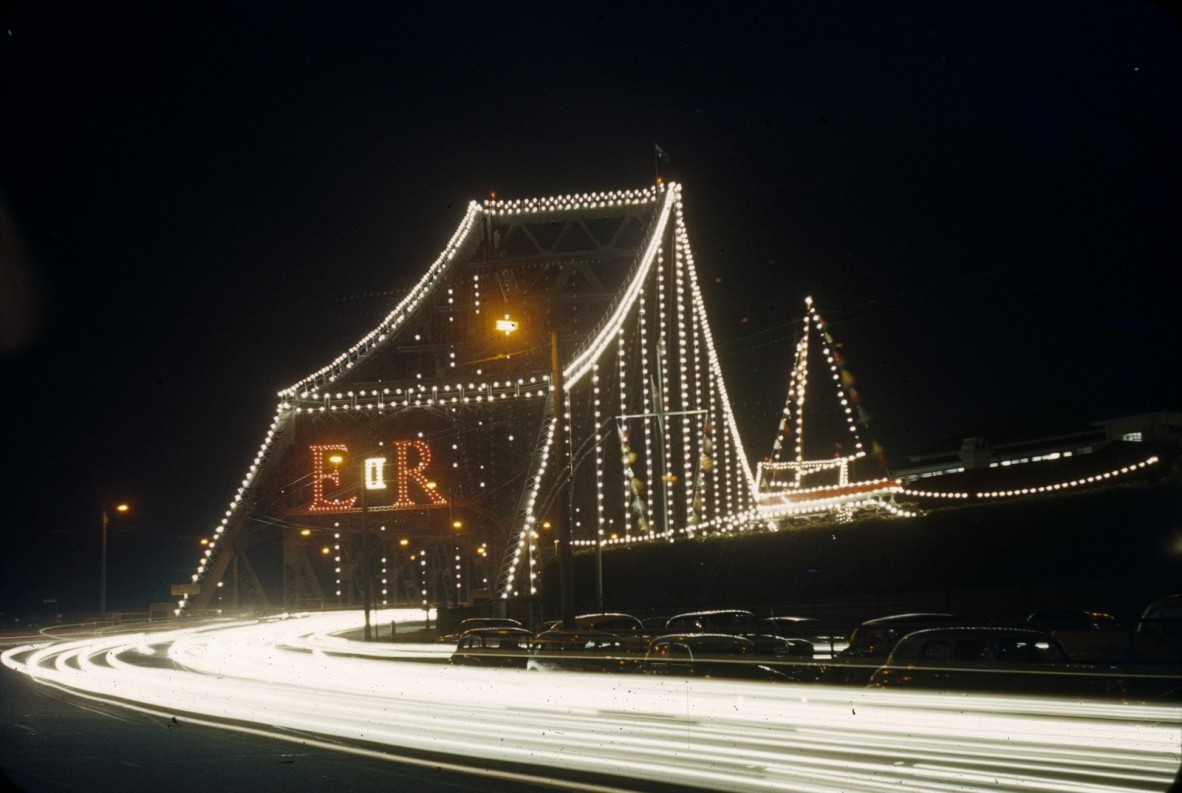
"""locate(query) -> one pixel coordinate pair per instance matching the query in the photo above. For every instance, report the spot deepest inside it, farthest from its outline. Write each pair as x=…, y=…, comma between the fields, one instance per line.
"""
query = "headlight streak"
x=295, y=674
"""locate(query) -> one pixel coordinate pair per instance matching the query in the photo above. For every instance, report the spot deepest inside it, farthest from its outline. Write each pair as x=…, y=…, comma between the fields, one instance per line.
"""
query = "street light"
x=120, y=507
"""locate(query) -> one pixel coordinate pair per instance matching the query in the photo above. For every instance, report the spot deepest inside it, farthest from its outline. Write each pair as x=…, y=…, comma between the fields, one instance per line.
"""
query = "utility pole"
x=121, y=507
x=365, y=554
x=103, y=573
x=565, y=560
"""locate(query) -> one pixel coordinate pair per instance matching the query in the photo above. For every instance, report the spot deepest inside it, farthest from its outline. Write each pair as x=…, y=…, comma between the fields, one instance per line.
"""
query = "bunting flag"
x=784, y=433
x=705, y=466
x=847, y=382
x=879, y=454
x=635, y=484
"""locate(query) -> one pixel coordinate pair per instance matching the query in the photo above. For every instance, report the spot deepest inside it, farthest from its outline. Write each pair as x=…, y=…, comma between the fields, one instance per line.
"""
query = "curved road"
x=293, y=678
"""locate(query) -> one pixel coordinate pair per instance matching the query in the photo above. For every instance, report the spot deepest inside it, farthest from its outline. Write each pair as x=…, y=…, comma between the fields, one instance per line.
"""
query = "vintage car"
x=720, y=655
x=623, y=625
x=558, y=650
x=876, y=638
x=1158, y=635
x=731, y=621
x=1086, y=635
x=612, y=622
x=501, y=647
x=471, y=623
x=873, y=640
x=992, y=660
x=739, y=622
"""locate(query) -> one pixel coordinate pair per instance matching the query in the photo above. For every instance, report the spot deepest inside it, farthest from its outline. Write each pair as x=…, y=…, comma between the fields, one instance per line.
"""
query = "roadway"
x=292, y=692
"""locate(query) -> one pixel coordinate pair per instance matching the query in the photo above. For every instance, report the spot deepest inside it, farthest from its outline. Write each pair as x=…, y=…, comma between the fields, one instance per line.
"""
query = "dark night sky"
x=201, y=204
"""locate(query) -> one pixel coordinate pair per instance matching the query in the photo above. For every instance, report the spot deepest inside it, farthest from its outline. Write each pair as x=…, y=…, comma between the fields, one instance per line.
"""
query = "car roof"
x=617, y=618
x=711, y=613
x=981, y=631
x=704, y=638
x=912, y=617
x=563, y=635
x=497, y=632
x=1169, y=601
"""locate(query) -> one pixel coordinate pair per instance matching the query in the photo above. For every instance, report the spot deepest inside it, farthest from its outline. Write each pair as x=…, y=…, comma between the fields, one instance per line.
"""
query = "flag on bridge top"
x=661, y=154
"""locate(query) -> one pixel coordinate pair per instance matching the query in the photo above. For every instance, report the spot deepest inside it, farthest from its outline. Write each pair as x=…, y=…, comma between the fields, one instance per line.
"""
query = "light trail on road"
x=294, y=677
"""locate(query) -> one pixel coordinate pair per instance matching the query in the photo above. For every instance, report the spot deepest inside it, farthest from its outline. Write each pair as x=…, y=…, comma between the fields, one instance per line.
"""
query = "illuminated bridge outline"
x=654, y=450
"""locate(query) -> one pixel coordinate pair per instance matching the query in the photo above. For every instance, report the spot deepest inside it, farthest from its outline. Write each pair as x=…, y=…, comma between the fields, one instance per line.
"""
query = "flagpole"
x=659, y=156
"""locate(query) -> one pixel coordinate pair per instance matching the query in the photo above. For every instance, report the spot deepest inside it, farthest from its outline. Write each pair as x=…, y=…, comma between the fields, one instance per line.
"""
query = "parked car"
x=876, y=638
x=501, y=647
x=1086, y=635
x=1048, y=620
x=732, y=621
x=707, y=655
x=994, y=660
x=1156, y=656
x=470, y=623
x=873, y=641
x=739, y=622
x=583, y=651
x=1158, y=636
x=612, y=622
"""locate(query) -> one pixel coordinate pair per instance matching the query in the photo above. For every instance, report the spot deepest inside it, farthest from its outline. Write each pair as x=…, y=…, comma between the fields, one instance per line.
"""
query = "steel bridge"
x=424, y=465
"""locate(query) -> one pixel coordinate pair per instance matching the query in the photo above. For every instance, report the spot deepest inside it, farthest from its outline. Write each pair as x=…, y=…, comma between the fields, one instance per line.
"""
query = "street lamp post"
x=566, y=585
x=121, y=507
x=366, y=567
